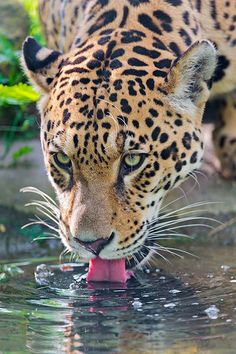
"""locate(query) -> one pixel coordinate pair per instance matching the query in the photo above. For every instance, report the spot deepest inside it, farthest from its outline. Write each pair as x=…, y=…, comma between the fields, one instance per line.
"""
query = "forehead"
x=124, y=99
x=94, y=108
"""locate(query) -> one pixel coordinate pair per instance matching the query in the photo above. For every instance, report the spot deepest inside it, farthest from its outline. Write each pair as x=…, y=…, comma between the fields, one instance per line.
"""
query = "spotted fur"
x=125, y=76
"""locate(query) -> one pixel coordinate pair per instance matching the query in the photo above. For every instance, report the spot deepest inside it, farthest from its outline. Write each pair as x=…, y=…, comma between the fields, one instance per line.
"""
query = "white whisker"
x=177, y=250
x=193, y=176
x=189, y=206
x=171, y=202
x=167, y=236
x=162, y=225
x=54, y=211
x=201, y=173
x=172, y=214
x=183, y=251
x=193, y=205
x=43, y=238
x=164, y=249
x=48, y=215
x=52, y=234
x=39, y=192
x=39, y=221
x=190, y=225
x=156, y=252
x=62, y=254
x=183, y=192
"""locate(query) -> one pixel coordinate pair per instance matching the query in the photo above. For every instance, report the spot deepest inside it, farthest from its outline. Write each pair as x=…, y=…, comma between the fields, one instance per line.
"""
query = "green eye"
x=62, y=160
x=132, y=160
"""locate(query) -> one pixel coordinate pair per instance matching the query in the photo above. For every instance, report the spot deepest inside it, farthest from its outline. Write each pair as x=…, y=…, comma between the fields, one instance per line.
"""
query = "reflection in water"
x=132, y=320
x=158, y=312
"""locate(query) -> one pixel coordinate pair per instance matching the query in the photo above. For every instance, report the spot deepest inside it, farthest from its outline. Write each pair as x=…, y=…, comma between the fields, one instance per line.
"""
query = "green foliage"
x=16, y=121
x=13, y=102
x=24, y=150
x=31, y=7
x=10, y=72
x=19, y=94
x=7, y=271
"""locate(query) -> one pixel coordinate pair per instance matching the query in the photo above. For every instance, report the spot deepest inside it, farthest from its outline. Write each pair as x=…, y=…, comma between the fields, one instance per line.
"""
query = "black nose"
x=95, y=246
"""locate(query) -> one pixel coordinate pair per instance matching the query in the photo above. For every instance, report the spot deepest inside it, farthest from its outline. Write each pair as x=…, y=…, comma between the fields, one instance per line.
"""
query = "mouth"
x=95, y=247
x=110, y=270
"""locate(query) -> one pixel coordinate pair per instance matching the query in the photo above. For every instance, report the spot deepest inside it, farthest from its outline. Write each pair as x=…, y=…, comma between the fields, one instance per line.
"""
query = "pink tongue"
x=107, y=270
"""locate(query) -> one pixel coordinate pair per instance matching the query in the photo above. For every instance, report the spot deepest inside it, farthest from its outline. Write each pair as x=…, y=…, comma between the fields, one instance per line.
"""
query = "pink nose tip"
x=96, y=246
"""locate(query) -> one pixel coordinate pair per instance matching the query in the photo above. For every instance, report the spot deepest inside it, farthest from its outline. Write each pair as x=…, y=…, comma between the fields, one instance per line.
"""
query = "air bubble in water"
x=137, y=304
x=212, y=312
x=170, y=305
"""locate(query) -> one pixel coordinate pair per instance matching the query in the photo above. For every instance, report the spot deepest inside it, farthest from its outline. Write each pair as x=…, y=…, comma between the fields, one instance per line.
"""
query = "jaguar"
x=123, y=90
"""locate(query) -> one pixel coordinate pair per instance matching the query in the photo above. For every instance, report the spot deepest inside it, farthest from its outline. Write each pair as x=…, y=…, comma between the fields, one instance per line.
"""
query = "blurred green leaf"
x=31, y=7
x=18, y=94
x=26, y=125
x=24, y=150
x=7, y=271
x=3, y=278
x=16, y=120
x=12, y=269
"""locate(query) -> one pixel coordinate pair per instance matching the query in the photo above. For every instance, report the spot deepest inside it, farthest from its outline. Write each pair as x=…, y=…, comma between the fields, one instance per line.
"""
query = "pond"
x=185, y=306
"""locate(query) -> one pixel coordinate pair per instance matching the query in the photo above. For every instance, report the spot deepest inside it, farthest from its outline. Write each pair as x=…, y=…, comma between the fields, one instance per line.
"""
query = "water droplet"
x=137, y=304
x=42, y=274
x=212, y=312
x=174, y=291
x=79, y=277
x=210, y=275
x=170, y=305
x=225, y=268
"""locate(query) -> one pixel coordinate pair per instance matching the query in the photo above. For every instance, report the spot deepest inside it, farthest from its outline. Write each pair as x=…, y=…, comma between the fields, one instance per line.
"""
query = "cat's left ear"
x=187, y=84
x=41, y=64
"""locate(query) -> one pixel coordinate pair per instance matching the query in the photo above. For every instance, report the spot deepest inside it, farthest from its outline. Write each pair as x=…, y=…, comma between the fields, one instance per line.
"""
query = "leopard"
x=123, y=90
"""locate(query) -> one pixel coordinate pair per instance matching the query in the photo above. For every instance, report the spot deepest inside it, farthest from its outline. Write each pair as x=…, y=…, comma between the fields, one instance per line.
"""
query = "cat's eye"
x=132, y=162
x=62, y=160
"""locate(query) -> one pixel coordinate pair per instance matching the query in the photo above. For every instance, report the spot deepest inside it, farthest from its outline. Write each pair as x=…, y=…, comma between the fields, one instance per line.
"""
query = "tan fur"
x=120, y=87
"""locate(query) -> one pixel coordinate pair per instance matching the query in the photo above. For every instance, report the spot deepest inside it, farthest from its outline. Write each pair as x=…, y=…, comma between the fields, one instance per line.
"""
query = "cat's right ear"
x=40, y=64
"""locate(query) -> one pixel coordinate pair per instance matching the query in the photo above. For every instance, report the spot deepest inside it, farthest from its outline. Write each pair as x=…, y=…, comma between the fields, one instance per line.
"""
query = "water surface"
x=187, y=306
